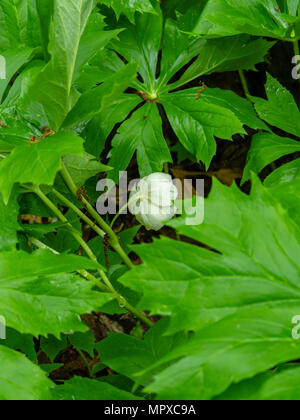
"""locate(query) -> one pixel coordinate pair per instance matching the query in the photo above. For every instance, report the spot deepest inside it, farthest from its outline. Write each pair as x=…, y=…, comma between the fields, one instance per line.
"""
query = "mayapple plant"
x=210, y=315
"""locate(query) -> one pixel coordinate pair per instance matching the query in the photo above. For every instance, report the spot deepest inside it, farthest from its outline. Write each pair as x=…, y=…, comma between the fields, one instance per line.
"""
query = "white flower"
x=153, y=200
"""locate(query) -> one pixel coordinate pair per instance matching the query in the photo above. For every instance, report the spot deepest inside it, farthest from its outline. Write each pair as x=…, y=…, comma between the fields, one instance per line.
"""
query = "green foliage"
x=239, y=302
x=142, y=42
x=280, y=110
x=91, y=88
x=274, y=18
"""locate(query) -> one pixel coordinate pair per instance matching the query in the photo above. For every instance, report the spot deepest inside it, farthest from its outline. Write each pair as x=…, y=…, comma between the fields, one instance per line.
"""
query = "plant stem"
x=107, y=287
x=244, y=83
x=68, y=179
x=113, y=239
x=296, y=48
x=86, y=363
x=85, y=274
x=76, y=235
x=133, y=200
x=79, y=213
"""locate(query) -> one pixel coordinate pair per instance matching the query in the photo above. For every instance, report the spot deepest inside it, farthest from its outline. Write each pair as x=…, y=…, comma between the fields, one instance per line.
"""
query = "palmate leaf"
x=95, y=100
x=98, y=129
x=39, y=298
x=197, y=119
x=240, y=301
x=142, y=43
x=129, y=7
x=280, y=110
x=275, y=19
x=20, y=379
x=38, y=163
x=142, y=133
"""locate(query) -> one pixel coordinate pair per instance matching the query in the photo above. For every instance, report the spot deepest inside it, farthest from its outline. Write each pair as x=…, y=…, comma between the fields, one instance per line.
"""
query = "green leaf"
x=45, y=14
x=48, y=99
x=82, y=389
x=280, y=110
x=240, y=301
x=17, y=131
x=129, y=7
x=99, y=128
x=278, y=386
x=286, y=174
x=190, y=57
x=39, y=298
x=142, y=133
x=14, y=60
x=82, y=168
x=52, y=346
x=9, y=222
x=39, y=163
x=20, y=379
x=284, y=183
x=196, y=120
x=83, y=341
x=18, y=24
x=96, y=100
x=226, y=54
x=265, y=149
x=254, y=17
x=141, y=43
x=20, y=342
x=137, y=354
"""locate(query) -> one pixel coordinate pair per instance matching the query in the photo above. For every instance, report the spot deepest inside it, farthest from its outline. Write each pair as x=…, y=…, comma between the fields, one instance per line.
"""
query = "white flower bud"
x=153, y=200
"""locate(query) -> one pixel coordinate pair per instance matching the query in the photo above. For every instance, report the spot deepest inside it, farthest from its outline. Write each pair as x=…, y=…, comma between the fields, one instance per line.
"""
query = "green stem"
x=244, y=83
x=85, y=274
x=86, y=363
x=113, y=239
x=108, y=287
x=133, y=200
x=76, y=235
x=296, y=48
x=68, y=179
x=79, y=213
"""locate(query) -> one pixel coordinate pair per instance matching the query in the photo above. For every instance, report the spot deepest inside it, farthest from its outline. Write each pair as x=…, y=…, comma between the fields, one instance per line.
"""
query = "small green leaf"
x=84, y=167
x=82, y=389
x=265, y=149
x=96, y=100
x=280, y=110
x=37, y=164
x=129, y=7
x=142, y=133
x=20, y=379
